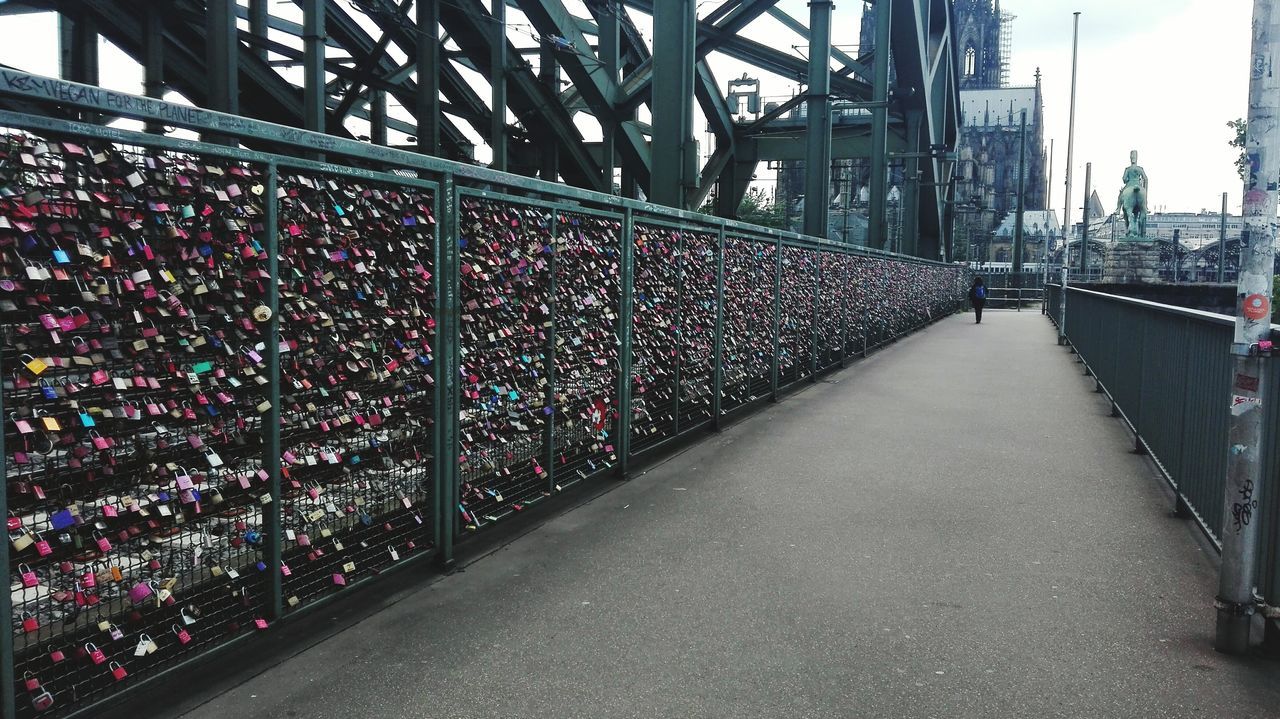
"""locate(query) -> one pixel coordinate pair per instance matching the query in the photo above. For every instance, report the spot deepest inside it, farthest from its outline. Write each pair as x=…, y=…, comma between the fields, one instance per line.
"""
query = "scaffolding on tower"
x=1006, y=45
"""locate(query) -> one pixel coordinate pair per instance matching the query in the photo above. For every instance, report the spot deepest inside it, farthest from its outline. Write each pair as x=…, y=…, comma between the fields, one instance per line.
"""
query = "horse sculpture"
x=1133, y=199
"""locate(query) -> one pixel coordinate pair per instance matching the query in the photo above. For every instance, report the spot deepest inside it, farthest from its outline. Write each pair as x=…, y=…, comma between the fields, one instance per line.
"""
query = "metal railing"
x=1015, y=296
x=238, y=383
x=1167, y=373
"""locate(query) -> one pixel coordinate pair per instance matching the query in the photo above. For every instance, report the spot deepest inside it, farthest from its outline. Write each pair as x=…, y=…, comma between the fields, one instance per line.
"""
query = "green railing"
x=238, y=383
x=1167, y=372
x=1053, y=303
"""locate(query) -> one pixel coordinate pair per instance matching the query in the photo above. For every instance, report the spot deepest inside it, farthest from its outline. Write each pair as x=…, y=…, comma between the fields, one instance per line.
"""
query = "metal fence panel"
x=237, y=382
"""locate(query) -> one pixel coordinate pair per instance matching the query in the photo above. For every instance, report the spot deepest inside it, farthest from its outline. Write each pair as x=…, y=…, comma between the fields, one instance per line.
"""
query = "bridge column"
x=673, y=157
x=879, y=181
x=817, y=162
x=427, y=110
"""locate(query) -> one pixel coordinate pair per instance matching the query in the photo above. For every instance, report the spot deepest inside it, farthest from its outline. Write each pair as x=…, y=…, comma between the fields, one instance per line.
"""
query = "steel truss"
x=355, y=55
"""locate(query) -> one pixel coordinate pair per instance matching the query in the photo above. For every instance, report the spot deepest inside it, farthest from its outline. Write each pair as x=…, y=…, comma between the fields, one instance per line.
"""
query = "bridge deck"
x=953, y=528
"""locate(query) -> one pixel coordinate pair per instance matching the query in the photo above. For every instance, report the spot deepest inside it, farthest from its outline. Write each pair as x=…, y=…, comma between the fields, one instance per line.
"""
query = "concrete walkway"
x=952, y=528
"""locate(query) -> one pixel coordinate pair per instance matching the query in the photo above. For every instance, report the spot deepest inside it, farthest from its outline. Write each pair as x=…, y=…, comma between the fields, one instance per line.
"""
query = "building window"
x=970, y=62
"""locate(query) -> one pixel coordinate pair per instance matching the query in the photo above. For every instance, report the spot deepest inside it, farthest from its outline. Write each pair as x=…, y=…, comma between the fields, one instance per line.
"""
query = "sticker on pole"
x=1241, y=404
x=1256, y=306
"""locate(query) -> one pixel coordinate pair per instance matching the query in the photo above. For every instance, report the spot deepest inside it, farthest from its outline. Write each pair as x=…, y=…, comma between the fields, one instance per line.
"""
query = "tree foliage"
x=756, y=208
x=1240, y=126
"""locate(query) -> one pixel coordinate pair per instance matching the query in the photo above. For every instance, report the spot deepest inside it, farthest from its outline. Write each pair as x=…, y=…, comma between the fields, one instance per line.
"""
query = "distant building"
x=1190, y=228
x=1038, y=227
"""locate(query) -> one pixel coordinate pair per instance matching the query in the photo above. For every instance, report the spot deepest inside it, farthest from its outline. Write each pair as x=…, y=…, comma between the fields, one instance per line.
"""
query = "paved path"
x=952, y=528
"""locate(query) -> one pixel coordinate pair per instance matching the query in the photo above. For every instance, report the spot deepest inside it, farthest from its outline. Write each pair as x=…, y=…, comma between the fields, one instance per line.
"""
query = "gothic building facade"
x=987, y=167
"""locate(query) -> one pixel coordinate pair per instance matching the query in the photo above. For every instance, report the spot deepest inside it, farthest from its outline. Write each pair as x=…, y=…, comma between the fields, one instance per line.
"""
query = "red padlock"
x=117, y=670
x=29, y=623
x=29, y=578
x=57, y=655
x=30, y=681
x=181, y=634
x=95, y=654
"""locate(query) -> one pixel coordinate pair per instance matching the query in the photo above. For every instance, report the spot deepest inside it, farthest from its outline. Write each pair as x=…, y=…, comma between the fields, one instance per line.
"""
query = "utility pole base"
x=1234, y=624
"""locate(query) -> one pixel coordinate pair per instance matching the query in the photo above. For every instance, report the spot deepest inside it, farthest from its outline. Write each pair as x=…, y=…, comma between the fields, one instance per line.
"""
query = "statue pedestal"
x=1132, y=262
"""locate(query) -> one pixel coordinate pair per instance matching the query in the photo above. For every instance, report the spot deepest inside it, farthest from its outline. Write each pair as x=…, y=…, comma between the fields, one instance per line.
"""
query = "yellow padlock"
x=34, y=365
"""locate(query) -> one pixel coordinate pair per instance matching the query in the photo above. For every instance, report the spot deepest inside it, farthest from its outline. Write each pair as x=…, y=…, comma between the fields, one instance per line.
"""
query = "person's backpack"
x=980, y=292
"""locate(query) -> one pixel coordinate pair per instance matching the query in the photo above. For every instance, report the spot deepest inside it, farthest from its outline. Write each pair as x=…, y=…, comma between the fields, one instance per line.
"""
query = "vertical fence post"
x=448, y=338
x=1136, y=417
x=8, y=698
x=626, y=286
x=549, y=395
x=680, y=270
x=777, y=323
x=1180, y=508
x=845, y=281
x=813, y=327
x=717, y=371
x=271, y=451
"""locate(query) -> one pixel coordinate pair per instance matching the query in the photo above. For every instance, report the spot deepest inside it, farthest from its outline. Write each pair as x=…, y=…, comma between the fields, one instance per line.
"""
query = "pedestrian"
x=978, y=297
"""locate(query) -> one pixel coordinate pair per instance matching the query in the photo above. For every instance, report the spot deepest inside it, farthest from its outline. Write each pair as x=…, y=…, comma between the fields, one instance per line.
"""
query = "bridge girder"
x=369, y=52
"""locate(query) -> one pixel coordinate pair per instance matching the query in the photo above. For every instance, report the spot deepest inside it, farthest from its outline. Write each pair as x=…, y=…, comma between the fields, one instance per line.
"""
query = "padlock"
x=182, y=634
x=115, y=633
x=57, y=655
x=118, y=671
x=96, y=655
x=30, y=681
x=33, y=365
x=29, y=578
x=42, y=701
x=141, y=591
x=104, y=544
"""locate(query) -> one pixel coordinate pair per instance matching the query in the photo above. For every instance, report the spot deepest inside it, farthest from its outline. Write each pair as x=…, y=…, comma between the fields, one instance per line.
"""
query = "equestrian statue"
x=1133, y=200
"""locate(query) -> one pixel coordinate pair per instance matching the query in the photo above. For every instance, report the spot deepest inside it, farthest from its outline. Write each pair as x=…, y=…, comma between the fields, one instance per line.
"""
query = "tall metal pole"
x=1222, y=243
x=1071, y=144
x=313, y=87
x=153, y=67
x=673, y=71
x=427, y=107
x=378, y=117
x=817, y=156
x=909, y=204
x=1245, y=436
x=1022, y=203
x=879, y=180
x=610, y=53
x=1048, y=180
x=1084, y=224
x=222, y=62
x=498, y=86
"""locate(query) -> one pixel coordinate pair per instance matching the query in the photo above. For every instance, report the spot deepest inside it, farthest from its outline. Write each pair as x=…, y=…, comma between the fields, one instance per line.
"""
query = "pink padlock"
x=28, y=577
x=89, y=579
x=30, y=681
x=104, y=544
x=139, y=592
x=29, y=623
x=57, y=655
x=182, y=634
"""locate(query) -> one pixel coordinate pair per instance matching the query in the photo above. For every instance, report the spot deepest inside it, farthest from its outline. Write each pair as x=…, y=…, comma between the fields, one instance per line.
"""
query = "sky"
x=1162, y=77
